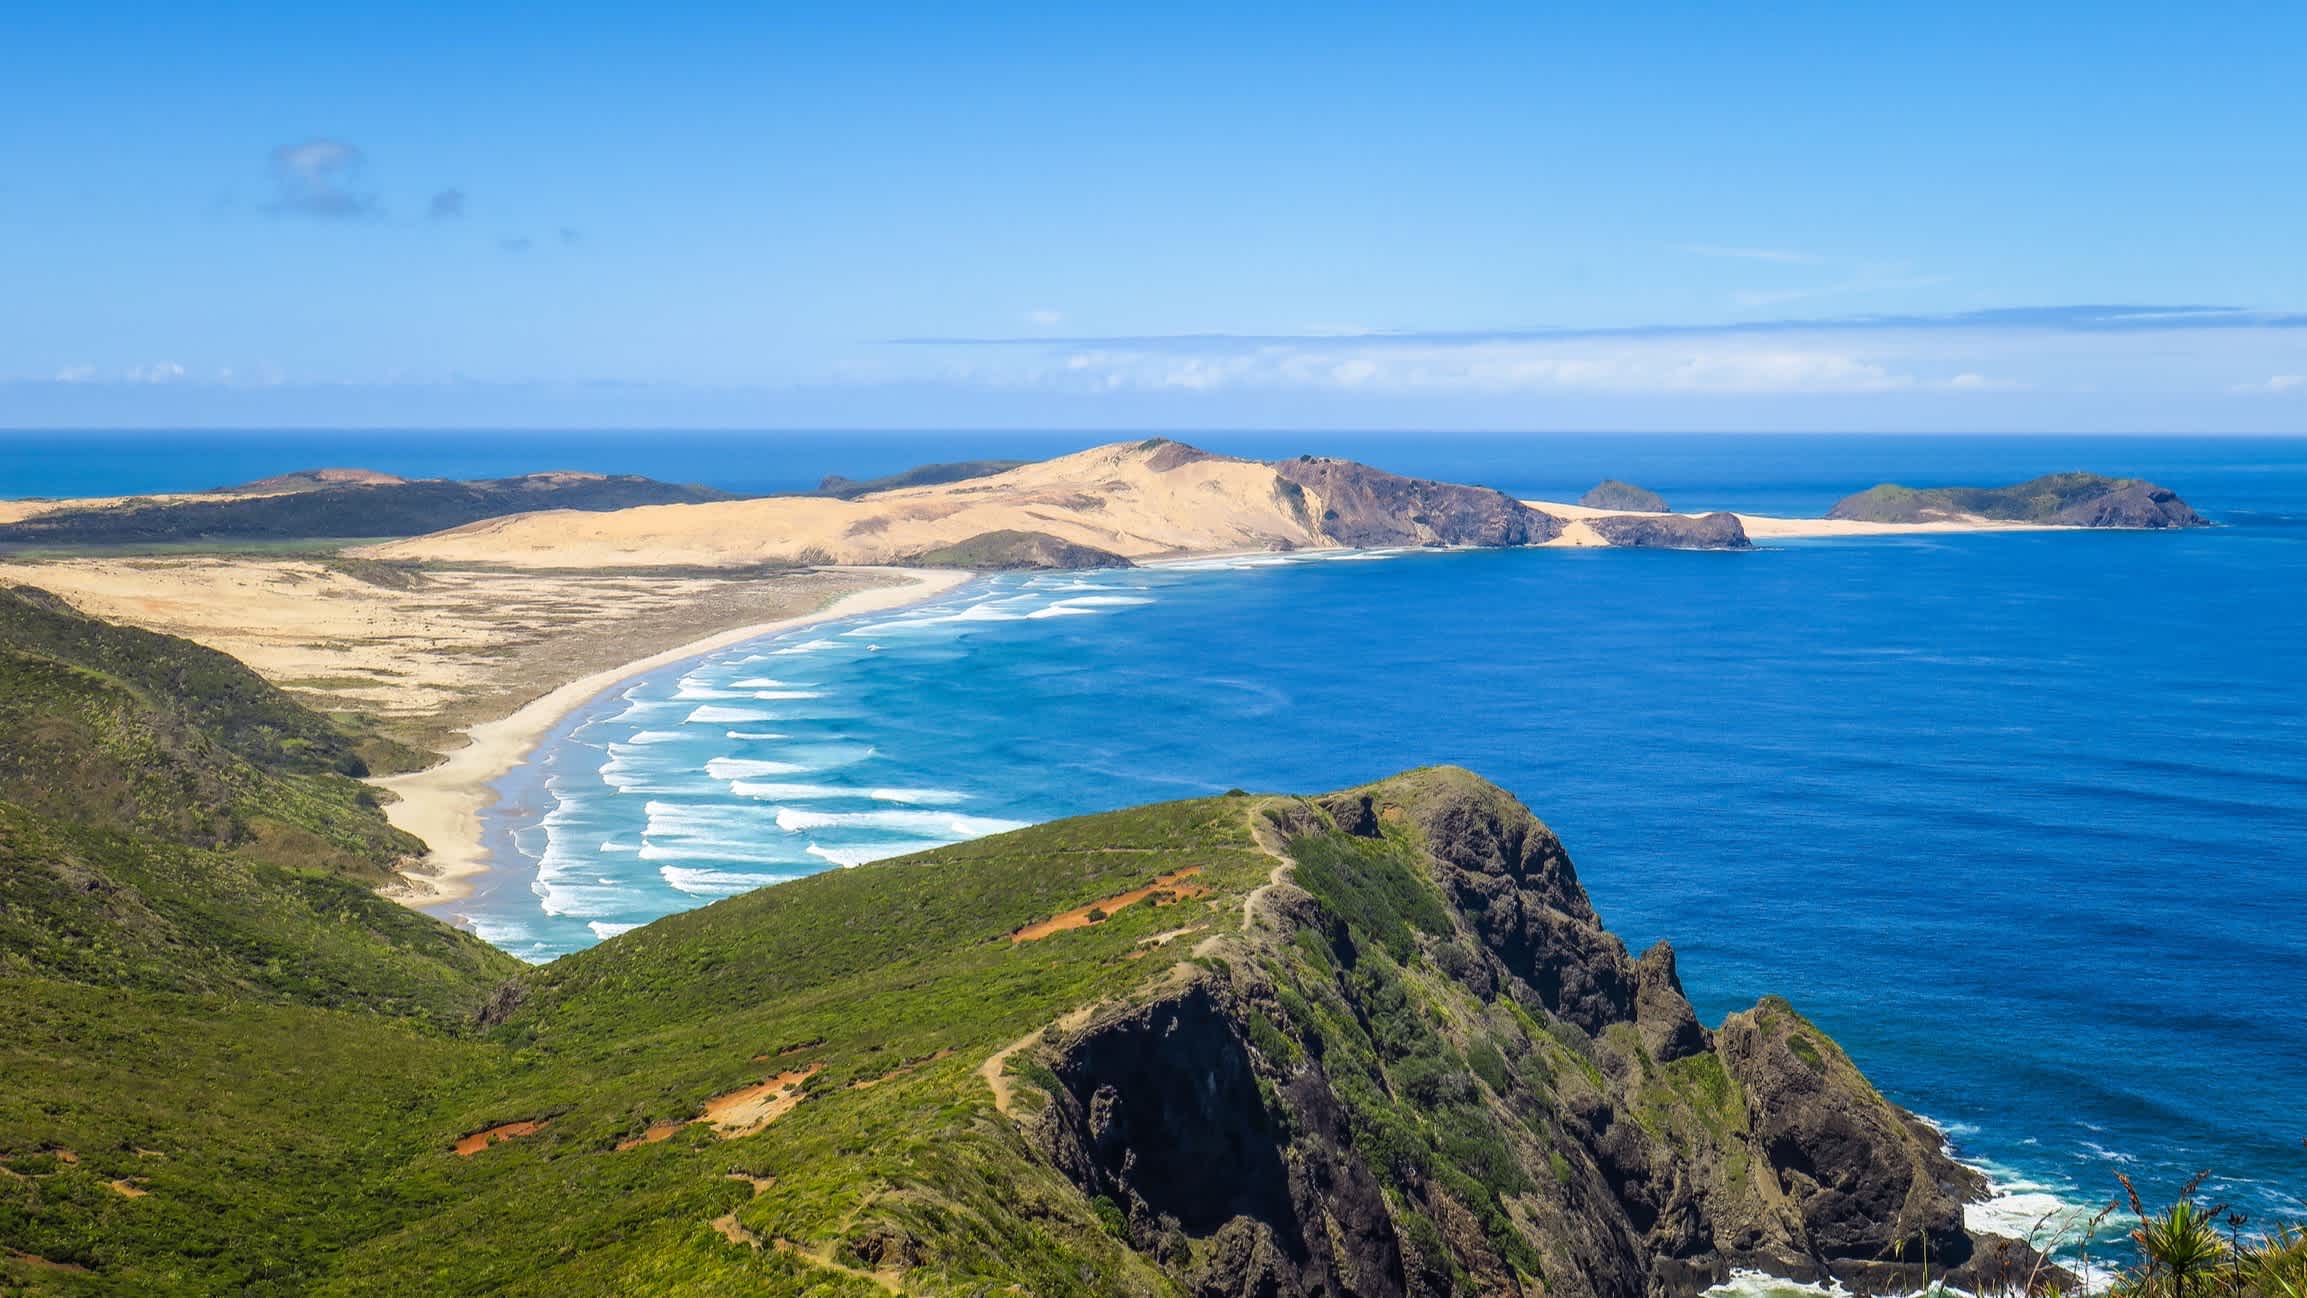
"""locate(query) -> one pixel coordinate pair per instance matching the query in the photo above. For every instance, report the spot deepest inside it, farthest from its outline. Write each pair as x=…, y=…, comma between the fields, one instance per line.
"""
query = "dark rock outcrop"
x=1426, y=1069
x=1362, y=506
x=1717, y=531
x=2057, y=499
x=1013, y=550
x=1624, y=497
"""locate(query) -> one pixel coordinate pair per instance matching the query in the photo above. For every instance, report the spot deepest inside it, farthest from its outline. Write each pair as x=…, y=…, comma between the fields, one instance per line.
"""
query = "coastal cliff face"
x=2057, y=500
x=1716, y=531
x=1426, y=1069
x=1366, y=507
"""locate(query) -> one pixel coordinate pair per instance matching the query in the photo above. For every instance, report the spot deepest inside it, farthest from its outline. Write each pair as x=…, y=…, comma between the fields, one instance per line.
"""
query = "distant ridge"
x=1137, y=500
x=2056, y=499
x=339, y=503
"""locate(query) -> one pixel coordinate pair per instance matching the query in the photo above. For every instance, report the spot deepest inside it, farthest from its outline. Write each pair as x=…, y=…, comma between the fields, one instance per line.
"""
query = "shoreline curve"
x=443, y=803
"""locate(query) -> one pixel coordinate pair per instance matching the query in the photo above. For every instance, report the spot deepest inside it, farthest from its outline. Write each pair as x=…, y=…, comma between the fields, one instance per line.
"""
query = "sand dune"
x=1138, y=500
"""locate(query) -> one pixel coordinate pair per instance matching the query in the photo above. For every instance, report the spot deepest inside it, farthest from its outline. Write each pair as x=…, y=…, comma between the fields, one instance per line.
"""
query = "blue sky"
x=1900, y=217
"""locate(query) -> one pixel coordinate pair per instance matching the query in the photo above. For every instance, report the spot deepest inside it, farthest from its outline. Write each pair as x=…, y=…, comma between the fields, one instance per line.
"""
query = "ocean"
x=2019, y=819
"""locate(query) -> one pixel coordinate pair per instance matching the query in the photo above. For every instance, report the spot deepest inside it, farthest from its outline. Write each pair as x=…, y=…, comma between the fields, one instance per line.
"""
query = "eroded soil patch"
x=470, y=1145
x=1165, y=890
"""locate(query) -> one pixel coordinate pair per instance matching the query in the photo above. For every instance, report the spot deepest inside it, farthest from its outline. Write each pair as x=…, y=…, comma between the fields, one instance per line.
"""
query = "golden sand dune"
x=1138, y=500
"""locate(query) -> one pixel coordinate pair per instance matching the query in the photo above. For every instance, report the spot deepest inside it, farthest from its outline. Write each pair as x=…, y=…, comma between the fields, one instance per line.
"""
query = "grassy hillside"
x=1374, y=1042
x=149, y=734
x=2059, y=499
x=218, y=1035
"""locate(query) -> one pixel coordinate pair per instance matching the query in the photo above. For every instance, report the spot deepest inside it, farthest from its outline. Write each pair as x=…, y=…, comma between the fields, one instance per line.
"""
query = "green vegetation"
x=1610, y=493
x=390, y=508
x=1003, y=550
x=231, y=1068
x=2075, y=499
x=925, y=475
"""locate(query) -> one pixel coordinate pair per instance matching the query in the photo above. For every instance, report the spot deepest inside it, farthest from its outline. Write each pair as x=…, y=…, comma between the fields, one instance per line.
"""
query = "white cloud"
x=76, y=374
x=316, y=178
x=157, y=372
x=1970, y=382
x=1045, y=317
x=1503, y=367
x=2275, y=383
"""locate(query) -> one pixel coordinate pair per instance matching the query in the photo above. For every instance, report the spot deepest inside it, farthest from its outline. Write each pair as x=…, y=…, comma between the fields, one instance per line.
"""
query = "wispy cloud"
x=2275, y=383
x=2080, y=319
x=1494, y=368
x=319, y=178
x=447, y=205
x=1045, y=317
x=1779, y=255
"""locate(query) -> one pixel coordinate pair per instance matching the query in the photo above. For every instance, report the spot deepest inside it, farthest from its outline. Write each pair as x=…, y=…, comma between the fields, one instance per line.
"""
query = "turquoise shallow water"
x=2020, y=819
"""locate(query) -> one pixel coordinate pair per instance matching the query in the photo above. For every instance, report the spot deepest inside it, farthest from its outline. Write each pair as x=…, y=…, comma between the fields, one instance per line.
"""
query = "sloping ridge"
x=1427, y=1069
x=1138, y=500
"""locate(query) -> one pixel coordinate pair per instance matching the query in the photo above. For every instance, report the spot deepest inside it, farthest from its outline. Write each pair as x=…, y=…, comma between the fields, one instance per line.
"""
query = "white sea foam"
x=657, y=737
x=848, y=856
x=717, y=883
x=756, y=734
x=688, y=691
x=772, y=791
x=919, y=797
x=757, y=683
x=1758, y=1284
x=1107, y=601
x=806, y=647
x=605, y=929
x=908, y=822
x=746, y=768
x=770, y=695
x=612, y=845
x=713, y=712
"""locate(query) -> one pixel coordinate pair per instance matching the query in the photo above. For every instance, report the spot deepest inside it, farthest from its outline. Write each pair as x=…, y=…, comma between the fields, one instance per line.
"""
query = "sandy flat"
x=442, y=804
x=1765, y=527
x=424, y=652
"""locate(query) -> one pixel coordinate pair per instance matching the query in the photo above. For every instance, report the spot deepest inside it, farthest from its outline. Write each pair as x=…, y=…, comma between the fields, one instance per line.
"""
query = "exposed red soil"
x=1165, y=890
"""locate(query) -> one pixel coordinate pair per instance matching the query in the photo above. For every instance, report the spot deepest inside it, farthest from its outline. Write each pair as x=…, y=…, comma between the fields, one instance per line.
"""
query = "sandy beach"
x=442, y=804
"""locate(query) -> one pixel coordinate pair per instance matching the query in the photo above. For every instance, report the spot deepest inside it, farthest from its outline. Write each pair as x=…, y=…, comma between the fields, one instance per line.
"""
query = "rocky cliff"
x=1425, y=1068
x=1716, y=531
x=1365, y=507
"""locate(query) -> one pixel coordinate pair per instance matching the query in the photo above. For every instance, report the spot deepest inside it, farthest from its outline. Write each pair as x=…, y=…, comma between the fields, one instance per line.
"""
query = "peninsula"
x=1375, y=1041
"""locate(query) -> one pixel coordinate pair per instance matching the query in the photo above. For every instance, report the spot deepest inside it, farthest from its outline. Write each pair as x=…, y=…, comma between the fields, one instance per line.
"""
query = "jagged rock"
x=1716, y=531
x=1362, y=506
x=1481, y=1092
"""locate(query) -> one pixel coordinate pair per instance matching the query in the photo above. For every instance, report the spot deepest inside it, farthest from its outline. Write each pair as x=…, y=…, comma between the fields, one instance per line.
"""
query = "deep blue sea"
x=2020, y=819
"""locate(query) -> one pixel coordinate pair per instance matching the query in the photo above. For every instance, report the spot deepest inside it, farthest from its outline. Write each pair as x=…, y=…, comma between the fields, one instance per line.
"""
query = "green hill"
x=2056, y=499
x=1373, y=1042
